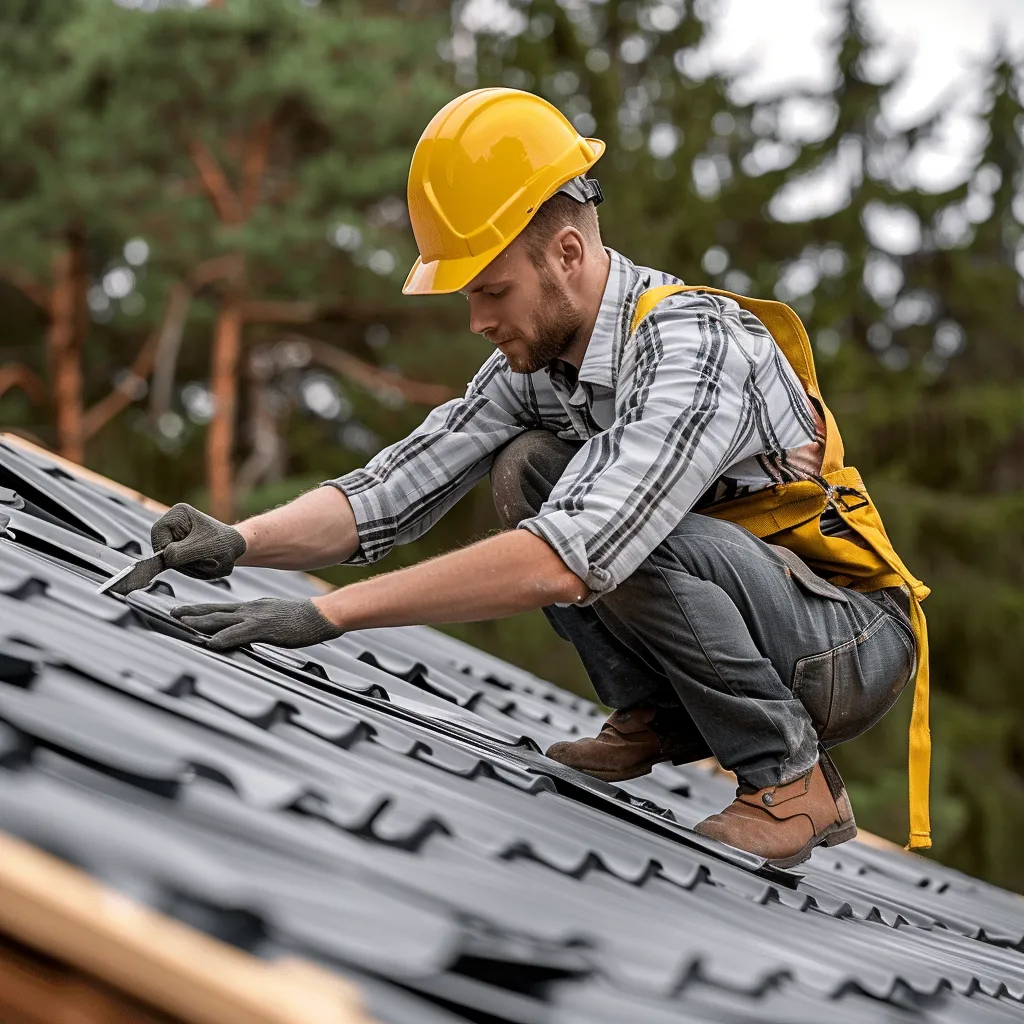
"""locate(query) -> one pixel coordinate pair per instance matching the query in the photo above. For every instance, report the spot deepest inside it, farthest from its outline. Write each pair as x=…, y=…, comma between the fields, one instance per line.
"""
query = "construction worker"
x=629, y=427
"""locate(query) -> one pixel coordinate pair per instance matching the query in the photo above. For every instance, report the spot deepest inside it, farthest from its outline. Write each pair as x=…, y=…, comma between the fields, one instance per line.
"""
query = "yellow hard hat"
x=481, y=169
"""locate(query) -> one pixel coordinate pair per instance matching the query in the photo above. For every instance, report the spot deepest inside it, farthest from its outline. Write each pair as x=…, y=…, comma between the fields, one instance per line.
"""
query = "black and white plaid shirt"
x=698, y=406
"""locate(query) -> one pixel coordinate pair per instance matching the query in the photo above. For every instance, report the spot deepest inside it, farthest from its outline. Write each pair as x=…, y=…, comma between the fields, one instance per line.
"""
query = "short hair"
x=558, y=212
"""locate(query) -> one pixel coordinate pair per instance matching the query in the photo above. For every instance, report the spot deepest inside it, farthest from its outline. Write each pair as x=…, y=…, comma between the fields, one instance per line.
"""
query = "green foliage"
x=321, y=80
x=112, y=104
x=915, y=329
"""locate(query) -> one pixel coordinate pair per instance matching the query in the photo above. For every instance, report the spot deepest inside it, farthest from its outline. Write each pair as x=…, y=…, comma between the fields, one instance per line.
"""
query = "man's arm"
x=513, y=572
x=405, y=489
x=401, y=492
x=359, y=517
x=314, y=530
x=503, y=575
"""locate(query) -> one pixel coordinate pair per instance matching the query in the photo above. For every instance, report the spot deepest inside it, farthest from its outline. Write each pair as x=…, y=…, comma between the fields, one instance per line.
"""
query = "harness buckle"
x=837, y=496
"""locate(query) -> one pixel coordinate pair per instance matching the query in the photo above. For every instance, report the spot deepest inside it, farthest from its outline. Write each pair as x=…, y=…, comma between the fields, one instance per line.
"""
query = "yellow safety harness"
x=788, y=514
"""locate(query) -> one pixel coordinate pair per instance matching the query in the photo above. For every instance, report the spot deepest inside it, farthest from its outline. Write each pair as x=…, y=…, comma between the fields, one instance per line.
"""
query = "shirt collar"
x=601, y=359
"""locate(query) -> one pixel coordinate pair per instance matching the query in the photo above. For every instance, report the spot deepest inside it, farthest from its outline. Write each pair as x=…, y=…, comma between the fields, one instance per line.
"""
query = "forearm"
x=314, y=530
x=503, y=575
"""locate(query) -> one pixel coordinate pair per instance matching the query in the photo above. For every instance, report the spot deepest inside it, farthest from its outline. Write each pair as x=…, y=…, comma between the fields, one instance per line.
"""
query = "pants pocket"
x=848, y=689
x=806, y=578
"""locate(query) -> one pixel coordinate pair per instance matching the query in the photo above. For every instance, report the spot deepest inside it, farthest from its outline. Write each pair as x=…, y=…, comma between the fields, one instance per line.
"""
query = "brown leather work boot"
x=629, y=743
x=784, y=824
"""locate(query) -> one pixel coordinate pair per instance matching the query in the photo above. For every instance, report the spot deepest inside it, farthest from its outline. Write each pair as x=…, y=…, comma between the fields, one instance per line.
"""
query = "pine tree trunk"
x=64, y=346
x=220, y=438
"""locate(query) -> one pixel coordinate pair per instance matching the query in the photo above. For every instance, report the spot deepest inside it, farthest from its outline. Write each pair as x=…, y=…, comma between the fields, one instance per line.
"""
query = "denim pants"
x=766, y=658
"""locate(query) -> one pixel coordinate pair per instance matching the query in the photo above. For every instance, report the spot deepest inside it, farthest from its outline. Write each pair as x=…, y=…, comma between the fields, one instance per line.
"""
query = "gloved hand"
x=196, y=544
x=284, y=622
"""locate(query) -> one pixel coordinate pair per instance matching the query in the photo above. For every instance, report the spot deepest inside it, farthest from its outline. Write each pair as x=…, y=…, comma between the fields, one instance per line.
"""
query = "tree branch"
x=254, y=163
x=179, y=299
x=266, y=458
x=220, y=435
x=166, y=338
x=273, y=311
x=127, y=391
x=18, y=375
x=215, y=182
x=447, y=317
x=371, y=377
x=35, y=291
x=217, y=268
x=168, y=345
x=261, y=311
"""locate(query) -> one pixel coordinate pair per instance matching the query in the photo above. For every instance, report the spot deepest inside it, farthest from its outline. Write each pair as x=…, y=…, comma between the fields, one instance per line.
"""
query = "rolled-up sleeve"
x=682, y=417
x=406, y=488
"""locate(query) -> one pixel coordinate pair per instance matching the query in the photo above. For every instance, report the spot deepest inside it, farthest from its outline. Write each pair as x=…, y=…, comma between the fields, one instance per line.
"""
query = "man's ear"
x=568, y=249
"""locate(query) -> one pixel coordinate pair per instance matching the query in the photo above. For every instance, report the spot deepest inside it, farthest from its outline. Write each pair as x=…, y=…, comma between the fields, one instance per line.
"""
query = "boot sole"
x=626, y=775
x=623, y=776
x=840, y=832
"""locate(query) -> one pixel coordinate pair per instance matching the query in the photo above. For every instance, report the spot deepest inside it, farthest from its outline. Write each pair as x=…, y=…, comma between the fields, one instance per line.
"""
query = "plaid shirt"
x=698, y=406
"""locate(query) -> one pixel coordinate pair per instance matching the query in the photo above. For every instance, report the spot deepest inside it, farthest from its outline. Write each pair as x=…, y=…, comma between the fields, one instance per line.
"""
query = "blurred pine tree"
x=946, y=437
x=256, y=152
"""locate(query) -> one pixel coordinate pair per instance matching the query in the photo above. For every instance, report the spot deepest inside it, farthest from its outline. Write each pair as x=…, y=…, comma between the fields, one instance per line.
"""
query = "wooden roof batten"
x=49, y=906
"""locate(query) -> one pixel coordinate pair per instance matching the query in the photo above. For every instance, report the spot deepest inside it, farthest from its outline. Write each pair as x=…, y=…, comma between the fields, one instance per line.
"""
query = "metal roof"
x=380, y=805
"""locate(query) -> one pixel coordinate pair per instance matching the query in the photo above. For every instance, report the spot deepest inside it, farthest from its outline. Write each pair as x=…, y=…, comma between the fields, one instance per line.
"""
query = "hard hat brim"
x=441, y=277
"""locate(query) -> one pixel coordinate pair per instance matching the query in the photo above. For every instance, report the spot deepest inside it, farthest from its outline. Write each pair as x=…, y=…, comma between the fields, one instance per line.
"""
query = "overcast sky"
x=783, y=41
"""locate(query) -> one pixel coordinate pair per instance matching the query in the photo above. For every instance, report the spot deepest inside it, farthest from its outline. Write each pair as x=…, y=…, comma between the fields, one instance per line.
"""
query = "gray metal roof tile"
x=379, y=804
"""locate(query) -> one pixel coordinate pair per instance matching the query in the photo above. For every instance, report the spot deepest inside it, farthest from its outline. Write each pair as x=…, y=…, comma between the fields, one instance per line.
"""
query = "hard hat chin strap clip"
x=583, y=190
x=593, y=187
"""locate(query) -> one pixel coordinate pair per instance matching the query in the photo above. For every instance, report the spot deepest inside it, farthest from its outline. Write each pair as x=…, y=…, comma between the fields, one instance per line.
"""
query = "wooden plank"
x=36, y=989
x=50, y=906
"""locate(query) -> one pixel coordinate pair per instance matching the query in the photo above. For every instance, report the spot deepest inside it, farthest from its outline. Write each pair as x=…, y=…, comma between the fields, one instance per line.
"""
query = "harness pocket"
x=848, y=689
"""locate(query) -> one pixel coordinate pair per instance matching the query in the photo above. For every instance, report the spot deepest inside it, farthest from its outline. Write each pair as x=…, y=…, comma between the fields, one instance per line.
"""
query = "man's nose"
x=480, y=319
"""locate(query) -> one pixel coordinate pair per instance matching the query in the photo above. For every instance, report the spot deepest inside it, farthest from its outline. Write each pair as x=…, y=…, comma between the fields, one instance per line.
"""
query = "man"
x=606, y=445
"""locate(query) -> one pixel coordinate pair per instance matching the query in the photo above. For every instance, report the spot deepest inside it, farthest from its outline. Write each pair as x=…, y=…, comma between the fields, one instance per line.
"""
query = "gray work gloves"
x=284, y=622
x=202, y=547
x=196, y=544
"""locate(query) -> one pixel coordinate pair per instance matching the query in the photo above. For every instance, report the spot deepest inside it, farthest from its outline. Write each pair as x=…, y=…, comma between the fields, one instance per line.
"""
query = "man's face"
x=525, y=310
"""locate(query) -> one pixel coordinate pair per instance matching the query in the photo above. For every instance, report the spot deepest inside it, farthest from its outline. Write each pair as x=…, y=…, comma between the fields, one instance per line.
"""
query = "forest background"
x=203, y=236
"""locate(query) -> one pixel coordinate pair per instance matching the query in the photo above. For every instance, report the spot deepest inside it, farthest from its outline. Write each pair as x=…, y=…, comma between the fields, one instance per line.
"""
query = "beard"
x=556, y=326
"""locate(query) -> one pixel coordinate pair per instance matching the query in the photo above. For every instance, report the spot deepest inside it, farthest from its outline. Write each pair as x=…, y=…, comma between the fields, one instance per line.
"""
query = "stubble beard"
x=556, y=327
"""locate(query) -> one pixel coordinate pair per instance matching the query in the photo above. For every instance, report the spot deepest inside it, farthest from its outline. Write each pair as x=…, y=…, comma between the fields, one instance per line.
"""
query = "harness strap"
x=786, y=507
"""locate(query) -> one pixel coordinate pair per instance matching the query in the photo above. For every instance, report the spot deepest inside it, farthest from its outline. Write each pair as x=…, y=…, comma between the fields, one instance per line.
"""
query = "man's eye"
x=496, y=294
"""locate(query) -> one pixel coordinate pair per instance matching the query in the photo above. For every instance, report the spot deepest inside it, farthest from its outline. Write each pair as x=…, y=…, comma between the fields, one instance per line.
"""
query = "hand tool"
x=134, y=577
